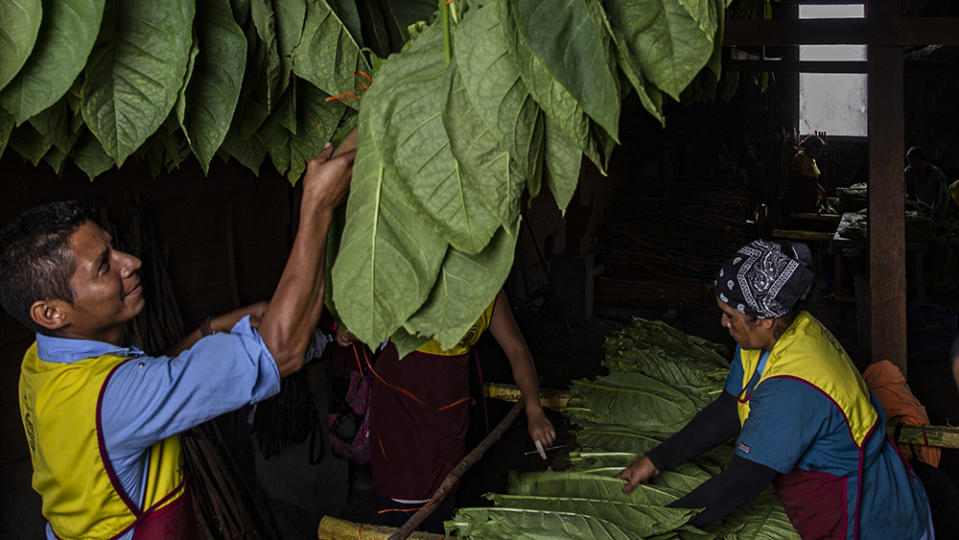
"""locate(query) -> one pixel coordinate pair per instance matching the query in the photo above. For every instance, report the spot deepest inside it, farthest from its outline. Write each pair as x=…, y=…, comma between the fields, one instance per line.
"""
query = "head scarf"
x=763, y=281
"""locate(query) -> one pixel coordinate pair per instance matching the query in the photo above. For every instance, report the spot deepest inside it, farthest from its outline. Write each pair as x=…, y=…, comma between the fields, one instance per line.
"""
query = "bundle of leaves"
x=469, y=116
x=620, y=417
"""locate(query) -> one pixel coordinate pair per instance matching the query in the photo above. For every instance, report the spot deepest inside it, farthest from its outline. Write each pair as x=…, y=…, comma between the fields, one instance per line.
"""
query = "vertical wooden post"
x=887, y=245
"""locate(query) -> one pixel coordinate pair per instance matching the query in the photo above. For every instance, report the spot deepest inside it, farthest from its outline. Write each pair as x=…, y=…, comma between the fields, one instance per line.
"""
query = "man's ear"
x=50, y=314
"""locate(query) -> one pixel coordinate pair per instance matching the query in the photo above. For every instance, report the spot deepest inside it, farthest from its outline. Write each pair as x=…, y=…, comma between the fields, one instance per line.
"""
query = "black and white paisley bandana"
x=762, y=281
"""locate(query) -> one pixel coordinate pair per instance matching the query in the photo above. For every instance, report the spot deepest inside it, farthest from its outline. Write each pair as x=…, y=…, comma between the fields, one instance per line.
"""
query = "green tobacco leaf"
x=348, y=12
x=559, y=105
x=317, y=121
x=568, y=38
x=633, y=400
x=466, y=286
x=589, y=486
x=521, y=524
x=248, y=151
x=669, y=41
x=496, y=92
x=66, y=36
x=18, y=33
x=406, y=343
x=563, y=160
x=649, y=95
x=483, y=165
x=274, y=73
x=616, y=439
x=380, y=29
x=276, y=132
x=6, y=128
x=389, y=256
x=683, y=478
x=214, y=88
x=327, y=55
x=644, y=520
x=55, y=158
x=407, y=103
x=762, y=519
x=290, y=18
x=89, y=155
x=57, y=125
x=135, y=71
x=29, y=143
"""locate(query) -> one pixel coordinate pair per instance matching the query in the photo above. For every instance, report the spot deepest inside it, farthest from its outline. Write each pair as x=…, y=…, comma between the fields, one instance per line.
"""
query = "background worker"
x=927, y=184
x=419, y=412
x=804, y=419
x=804, y=189
x=83, y=381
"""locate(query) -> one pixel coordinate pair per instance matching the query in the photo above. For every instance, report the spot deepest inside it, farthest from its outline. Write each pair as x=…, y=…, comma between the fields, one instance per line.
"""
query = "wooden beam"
x=871, y=31
x=887, y=243
x=803, y=66
x=913, y=69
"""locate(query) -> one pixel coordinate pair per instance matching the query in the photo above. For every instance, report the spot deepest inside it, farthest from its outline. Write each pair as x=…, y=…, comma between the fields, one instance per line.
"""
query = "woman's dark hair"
x=35, y=258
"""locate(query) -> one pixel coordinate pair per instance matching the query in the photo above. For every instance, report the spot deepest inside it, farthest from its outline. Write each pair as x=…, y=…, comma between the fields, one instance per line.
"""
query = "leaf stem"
x=447, y=41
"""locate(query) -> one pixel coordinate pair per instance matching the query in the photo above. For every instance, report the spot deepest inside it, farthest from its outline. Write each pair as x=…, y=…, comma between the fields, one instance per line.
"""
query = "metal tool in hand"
x=542, y=451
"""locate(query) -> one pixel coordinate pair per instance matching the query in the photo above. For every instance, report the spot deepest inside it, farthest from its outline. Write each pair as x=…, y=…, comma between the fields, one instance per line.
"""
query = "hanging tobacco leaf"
x=18, y=33
x=135, y=71
x=66, y=36
x=568, y=39
x=669, y=41
x=406, y=124
x=214, y=88
x=327, y=54
x=389, y=256
x=466, y=285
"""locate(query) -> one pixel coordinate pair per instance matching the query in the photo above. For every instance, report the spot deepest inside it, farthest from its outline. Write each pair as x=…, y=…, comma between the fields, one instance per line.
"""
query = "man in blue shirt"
x=120, y=409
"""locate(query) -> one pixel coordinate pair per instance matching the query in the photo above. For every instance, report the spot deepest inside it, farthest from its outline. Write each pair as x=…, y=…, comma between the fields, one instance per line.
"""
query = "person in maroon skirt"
x=419, y=414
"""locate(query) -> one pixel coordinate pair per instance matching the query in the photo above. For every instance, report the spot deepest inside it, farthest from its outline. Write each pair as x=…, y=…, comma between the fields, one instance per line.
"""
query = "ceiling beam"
x=901, y=31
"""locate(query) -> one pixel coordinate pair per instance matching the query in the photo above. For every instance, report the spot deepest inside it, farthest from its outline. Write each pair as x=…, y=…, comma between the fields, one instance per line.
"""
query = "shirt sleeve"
x=785, y=417
x=734, y=380
x=148, y=399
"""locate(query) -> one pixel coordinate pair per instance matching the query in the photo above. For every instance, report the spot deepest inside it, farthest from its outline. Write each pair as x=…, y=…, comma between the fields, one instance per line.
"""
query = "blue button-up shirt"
x=151, y=398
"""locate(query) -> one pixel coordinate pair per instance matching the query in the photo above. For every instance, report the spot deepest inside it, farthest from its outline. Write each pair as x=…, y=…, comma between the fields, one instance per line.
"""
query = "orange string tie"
x=342, y=97
x=356, y=75
x=403, y=391
x=365, y=74
x=455, y=403
x=359, y=532
x=382, y=450
x=359, y=366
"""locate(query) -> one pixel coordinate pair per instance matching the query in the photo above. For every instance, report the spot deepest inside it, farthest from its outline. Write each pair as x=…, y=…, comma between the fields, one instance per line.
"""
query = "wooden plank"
x=887, y=245
x=871, y=31
x=941, y=436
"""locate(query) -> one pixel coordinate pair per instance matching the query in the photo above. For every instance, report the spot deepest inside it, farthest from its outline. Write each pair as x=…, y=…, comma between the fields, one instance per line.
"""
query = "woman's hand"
x=540, y=428
x=641, y=471
x=344, y=338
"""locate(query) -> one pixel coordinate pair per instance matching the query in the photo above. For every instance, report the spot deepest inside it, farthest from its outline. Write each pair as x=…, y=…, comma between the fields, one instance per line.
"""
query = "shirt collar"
x=68, y=350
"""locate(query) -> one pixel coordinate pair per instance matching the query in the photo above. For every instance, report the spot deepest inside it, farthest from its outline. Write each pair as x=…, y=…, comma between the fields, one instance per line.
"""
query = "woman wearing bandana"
x=804, y=418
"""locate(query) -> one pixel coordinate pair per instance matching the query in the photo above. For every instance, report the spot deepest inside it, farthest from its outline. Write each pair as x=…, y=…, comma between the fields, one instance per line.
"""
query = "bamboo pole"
x=332, y=528
x=453, y=477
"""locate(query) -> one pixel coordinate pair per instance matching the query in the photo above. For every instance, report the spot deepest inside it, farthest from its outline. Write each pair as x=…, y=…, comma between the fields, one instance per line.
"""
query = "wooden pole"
x=403, y=532
x=887, y=245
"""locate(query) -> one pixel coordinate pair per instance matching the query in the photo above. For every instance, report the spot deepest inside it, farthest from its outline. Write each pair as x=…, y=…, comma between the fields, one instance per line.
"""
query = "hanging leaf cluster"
x=484, y=107
x=481, y=109
x=101, y=81
x=615, y=426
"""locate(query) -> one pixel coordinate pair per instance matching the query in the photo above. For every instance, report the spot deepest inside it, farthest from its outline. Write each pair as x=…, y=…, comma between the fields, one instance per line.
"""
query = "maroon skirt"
x=419, y=412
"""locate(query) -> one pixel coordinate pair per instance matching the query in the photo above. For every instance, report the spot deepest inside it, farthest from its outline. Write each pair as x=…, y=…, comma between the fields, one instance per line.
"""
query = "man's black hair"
x=916, y=152
x=35, y=259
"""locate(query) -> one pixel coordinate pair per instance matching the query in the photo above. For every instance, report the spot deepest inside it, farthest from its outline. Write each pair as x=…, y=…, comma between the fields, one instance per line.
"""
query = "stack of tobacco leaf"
x=659, y=379
x=648, y=258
